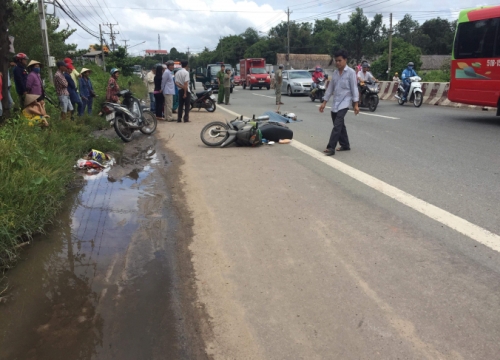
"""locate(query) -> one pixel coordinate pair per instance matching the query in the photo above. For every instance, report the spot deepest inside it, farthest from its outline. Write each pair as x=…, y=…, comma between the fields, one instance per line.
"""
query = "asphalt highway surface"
x=388, y=251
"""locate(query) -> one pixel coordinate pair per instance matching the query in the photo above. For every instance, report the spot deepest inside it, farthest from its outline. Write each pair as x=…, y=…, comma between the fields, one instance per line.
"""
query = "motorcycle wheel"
x=372, y=103
x=150, y=123
x=214, y=133
x=122, y=129
x=400, y=100
x=417, y=100
x=210, y=105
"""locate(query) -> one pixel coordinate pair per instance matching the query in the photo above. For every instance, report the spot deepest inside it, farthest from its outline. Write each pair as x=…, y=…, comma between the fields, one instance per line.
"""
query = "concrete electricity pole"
x=112, y=35
x=45, y=39
x=288, y=40
x=125, y=41
x=390, y=48
x=102, y=49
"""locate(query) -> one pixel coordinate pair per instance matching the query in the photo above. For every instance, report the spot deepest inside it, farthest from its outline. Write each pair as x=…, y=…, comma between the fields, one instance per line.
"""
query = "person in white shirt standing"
x=182, y=82
x=168, y=89
x=150, y=81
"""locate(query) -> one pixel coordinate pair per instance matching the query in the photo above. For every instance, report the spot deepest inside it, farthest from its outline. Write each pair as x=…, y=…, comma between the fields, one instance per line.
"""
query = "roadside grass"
x=436, y=76
x=36, y=166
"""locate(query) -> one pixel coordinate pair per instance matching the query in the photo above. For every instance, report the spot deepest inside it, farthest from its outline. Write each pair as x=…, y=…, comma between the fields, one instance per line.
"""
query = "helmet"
x=365, y=65
x=21, y=56
x=411, y=64
x=113, y=71
x=395, y=73
x=318, y=68
x=170, y=62
x=280, y=66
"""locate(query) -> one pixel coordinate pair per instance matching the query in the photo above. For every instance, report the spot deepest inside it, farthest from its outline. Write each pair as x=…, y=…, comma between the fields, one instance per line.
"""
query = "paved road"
x=296, y=259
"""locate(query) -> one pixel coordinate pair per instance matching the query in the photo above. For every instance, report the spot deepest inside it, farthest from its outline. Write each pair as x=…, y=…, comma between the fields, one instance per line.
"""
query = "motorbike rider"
x=316, y=76
x=406, y=75
x=363, y=76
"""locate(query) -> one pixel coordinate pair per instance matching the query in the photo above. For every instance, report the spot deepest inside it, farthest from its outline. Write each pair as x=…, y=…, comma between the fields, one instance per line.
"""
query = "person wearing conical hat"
x=34, y=84
x=34, y=111
x=87, y=92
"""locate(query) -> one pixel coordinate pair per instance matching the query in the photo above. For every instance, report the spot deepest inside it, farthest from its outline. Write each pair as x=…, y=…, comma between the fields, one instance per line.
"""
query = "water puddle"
x=99, y=284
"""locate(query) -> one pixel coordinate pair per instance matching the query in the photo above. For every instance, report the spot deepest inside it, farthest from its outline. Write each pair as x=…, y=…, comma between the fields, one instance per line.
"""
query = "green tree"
x=402, y=53
x=360, y=36
x=436, y=36
x=406, y=28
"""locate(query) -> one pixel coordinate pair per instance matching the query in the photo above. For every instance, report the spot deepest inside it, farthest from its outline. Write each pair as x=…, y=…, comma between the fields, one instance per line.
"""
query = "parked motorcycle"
x=414, y=94
x=319, y=91
x=369, y=95
x=129, y=116
x=203, y=100
x=238, y=130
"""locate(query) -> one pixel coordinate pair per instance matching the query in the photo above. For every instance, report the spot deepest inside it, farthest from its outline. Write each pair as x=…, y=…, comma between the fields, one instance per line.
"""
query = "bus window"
x=476, y=39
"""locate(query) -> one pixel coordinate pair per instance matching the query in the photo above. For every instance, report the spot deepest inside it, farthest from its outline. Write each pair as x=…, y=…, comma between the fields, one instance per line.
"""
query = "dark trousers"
x=339, y=131
x=159, y=105
x=184, y=105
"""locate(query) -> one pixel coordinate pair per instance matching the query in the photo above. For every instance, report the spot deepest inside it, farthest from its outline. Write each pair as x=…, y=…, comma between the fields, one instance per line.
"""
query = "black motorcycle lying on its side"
x=241, y=131
x=129, y=116
x=368, y=95
x=203, y=100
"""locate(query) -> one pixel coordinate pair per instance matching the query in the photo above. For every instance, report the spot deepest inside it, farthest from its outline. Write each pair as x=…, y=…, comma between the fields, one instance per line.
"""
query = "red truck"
x=254, y=74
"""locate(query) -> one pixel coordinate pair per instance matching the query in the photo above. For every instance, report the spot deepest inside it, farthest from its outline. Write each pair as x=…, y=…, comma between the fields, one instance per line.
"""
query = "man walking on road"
x=220, y=81
x=168, y=89
x=344, y=89
x=182, y=82
x=278, y=82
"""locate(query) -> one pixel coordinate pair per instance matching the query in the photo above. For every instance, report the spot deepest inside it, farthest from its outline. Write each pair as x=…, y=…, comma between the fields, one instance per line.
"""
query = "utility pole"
x=125, y=41
x=338, y=17
x=390, y=48
x=221, y=48
x=188, y=54
x=45, y=39
x=288, y=40
x=102, y=49
x=159, y=43
x=112, y=35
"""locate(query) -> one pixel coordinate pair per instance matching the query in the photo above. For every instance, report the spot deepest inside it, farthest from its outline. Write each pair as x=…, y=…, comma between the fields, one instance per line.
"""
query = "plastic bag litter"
x=89, y=164
x=98, y=155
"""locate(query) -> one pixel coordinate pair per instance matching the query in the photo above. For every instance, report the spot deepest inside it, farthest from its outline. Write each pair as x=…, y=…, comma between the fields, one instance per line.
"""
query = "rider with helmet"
x=316, y=76
x=113, y=88
x=365, y=75
x=21, y=75
x=406, y=75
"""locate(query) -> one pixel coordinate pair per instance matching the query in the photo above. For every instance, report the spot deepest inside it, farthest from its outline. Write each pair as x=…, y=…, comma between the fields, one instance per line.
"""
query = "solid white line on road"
x=272, y=97
x=456, y=223
x=463, y=226
x=363, y=113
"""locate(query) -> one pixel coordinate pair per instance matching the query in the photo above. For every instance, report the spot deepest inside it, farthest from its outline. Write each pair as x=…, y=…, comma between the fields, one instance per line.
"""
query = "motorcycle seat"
x=201, y=93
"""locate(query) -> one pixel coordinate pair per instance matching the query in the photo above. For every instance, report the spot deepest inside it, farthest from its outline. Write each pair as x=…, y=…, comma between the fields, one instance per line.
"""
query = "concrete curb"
x=435, y=93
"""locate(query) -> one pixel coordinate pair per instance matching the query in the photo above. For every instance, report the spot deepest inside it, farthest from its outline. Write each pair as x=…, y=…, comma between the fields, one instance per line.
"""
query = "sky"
x=197, y=24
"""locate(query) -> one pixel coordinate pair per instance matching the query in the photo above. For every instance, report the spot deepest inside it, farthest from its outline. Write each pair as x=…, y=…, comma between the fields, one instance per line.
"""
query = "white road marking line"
x=363, y=113
x=272, y=97
x=454, y=222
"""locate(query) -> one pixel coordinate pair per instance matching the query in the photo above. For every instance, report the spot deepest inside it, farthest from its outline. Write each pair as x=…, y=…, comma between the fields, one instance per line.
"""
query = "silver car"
x=296, y=82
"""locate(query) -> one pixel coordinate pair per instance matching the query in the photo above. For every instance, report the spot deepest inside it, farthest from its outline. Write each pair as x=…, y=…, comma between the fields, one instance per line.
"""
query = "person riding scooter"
x=365, y=76
x=316, y=77
x=406, y=75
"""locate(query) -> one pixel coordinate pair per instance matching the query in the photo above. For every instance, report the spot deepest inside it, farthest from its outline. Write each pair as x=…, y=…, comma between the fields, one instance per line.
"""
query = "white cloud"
x=178, y=27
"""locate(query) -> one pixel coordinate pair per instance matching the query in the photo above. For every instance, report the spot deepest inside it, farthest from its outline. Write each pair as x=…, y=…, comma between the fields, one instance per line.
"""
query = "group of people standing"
x=170, y=91
x=74, y=89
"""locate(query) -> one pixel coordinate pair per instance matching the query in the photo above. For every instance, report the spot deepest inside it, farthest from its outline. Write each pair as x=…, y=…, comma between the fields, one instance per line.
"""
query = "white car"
x=296, y=82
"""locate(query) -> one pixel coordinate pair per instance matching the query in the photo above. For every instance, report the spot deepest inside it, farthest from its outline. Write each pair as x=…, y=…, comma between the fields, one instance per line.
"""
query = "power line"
x=75, y=19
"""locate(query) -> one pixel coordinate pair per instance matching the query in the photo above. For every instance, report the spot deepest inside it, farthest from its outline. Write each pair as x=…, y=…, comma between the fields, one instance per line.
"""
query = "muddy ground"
x=112, y=277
